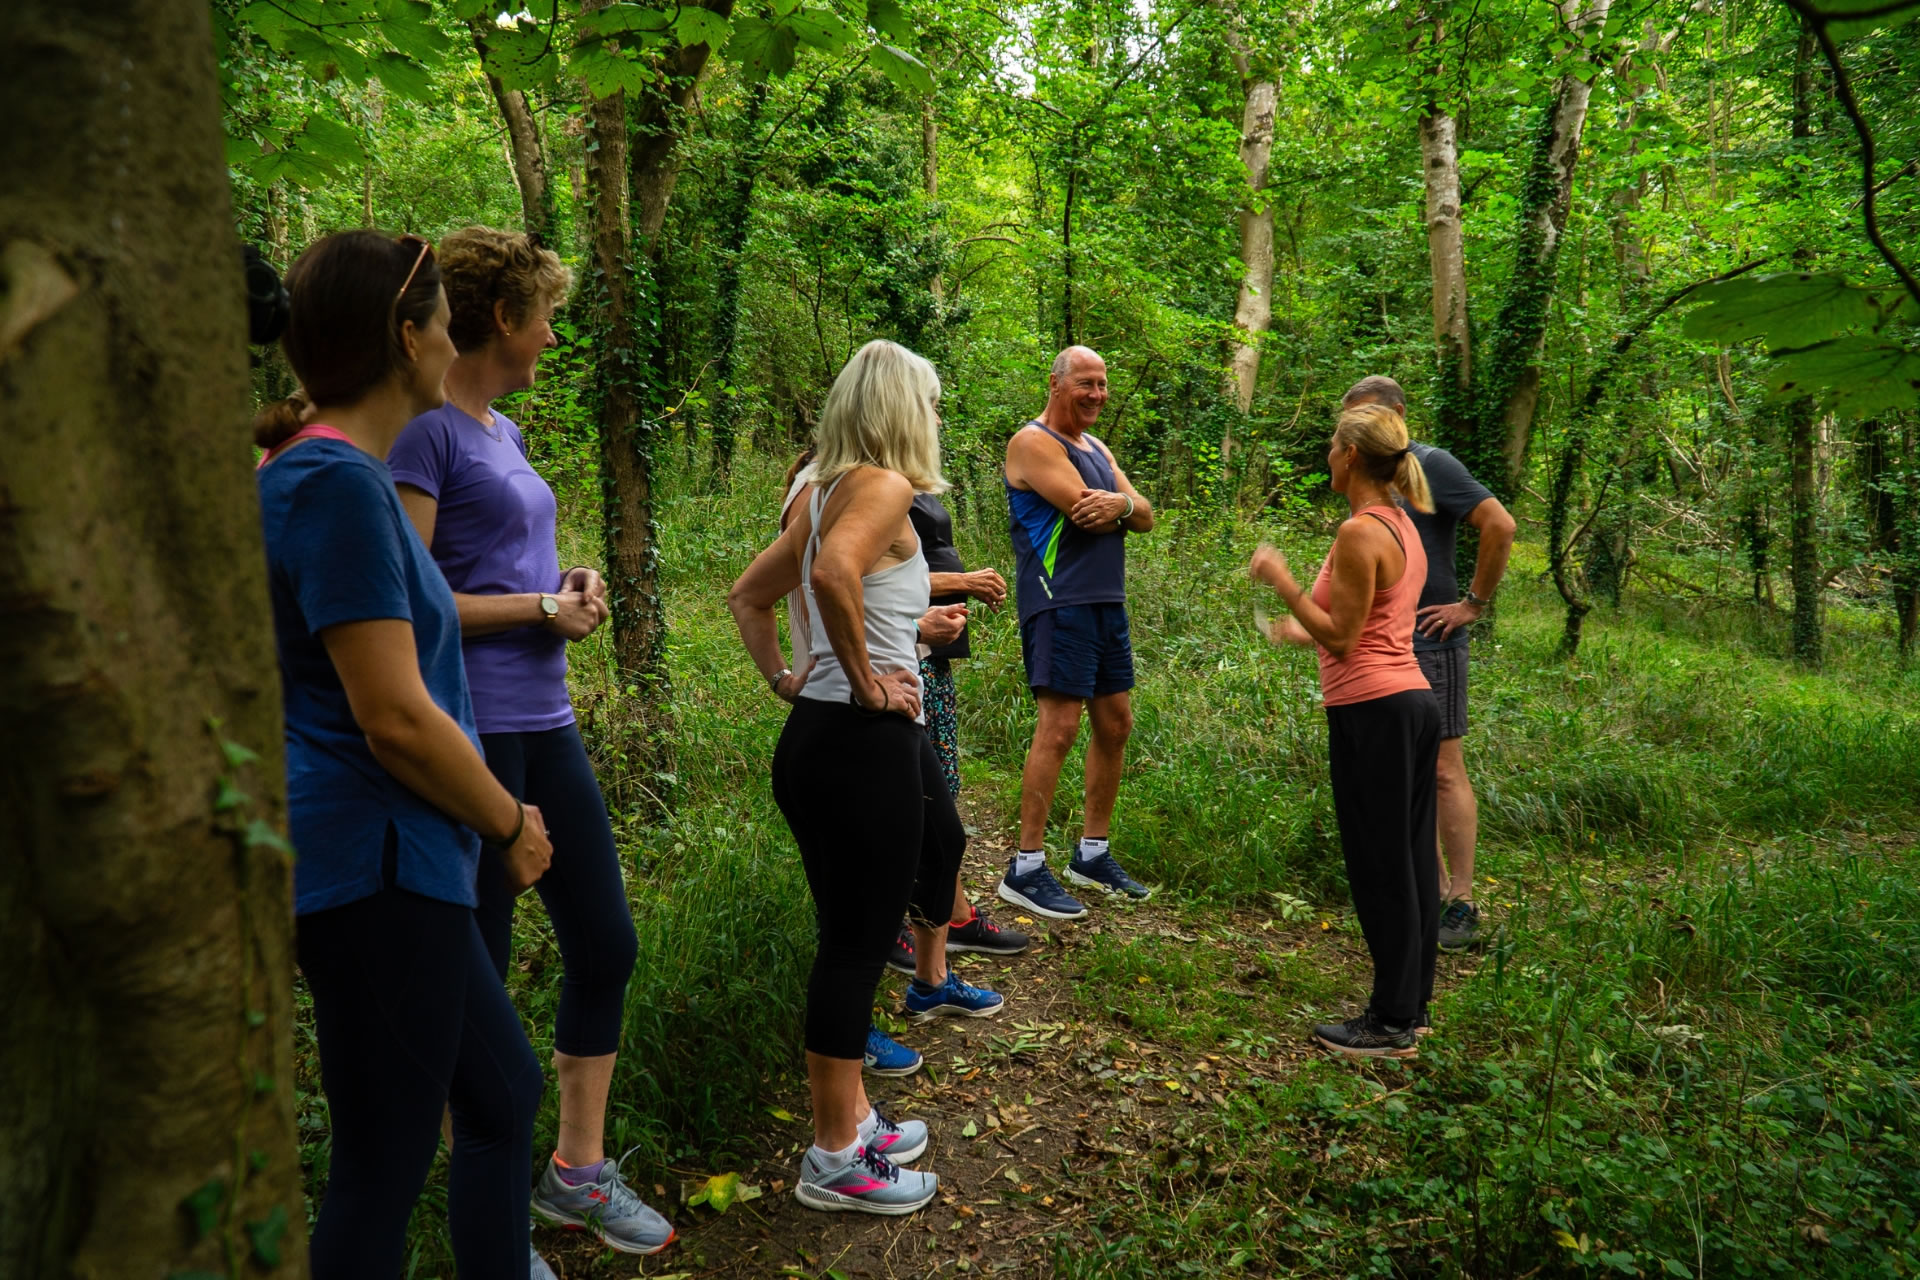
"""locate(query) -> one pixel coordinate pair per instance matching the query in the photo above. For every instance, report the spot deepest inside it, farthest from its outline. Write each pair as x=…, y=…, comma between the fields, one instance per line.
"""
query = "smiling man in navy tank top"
x=1072, y=508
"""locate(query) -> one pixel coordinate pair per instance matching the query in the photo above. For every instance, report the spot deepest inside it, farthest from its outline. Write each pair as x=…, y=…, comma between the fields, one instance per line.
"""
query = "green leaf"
x=236, y=755
x=780, y=1113
x=1842, y=29
x=1860, y=373
x=409, y=27
x=722, y=1190
x=608, y=70
x=761, y=49
x=260, y=833
x=1790, y=309
x=229, y=796
x=902, y=68
x=404, y=77
x=522, y=56
x=823, y=29
x=700, y=26
x=648, y=25
x=890, y=20
x=328, y=141
x=202, y=1207
x=266, y=1235
x=970, y=1129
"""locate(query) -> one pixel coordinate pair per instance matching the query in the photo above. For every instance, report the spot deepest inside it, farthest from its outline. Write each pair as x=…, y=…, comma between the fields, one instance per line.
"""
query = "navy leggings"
x=412, y=1019
x=582, y=889
x=878, y=836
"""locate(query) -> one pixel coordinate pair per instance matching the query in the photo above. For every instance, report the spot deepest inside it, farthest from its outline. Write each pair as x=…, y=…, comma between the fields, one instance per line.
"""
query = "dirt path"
x=1034, y=1113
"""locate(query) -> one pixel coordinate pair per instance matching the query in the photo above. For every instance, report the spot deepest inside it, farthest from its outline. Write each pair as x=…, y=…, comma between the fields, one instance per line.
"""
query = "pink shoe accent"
x=869, y=1184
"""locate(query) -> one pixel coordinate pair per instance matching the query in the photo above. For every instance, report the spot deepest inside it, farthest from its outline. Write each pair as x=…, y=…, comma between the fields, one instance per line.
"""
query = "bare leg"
x=930, y=954
x=839, y=1100
x=584, y=1085
x=962, y=909
x=1459, y=821
x=1054, y=730
x=1112, y=716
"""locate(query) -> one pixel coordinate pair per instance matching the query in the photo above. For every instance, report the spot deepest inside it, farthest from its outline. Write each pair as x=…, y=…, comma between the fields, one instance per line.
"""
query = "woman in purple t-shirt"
x=489, y=520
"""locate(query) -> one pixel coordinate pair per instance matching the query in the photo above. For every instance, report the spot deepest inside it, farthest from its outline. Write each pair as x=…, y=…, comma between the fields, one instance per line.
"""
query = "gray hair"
x=1376, y=389
x=1063, y=363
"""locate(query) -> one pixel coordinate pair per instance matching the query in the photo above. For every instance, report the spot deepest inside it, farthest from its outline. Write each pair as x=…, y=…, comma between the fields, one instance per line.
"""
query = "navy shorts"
x=1080, y=650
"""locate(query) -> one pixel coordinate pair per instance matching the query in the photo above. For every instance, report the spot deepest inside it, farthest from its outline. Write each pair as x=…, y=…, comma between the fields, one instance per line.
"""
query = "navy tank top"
x=1057, y=562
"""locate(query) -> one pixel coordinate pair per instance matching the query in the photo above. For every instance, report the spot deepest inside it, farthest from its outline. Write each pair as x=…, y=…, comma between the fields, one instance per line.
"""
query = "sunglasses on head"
x=409, y=241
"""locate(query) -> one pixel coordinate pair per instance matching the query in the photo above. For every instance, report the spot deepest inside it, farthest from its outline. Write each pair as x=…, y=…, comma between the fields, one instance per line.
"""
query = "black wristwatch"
x=1474, y=600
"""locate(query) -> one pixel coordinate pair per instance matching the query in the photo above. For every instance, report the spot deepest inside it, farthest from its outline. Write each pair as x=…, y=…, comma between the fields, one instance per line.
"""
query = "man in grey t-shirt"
x=1440, y=644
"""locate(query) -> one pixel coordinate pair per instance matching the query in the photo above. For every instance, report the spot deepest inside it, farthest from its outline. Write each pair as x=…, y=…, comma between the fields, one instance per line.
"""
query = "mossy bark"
x=145, y=903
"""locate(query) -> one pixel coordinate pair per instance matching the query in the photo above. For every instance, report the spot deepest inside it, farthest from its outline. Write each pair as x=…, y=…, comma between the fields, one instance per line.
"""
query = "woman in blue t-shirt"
x=490, y=521
x=386, y=786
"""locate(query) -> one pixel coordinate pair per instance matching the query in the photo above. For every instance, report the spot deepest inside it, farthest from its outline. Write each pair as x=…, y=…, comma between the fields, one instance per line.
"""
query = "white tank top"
x=894, y=600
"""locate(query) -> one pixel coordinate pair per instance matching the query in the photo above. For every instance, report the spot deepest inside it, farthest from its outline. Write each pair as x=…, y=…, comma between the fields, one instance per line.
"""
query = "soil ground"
x=1064, y=1098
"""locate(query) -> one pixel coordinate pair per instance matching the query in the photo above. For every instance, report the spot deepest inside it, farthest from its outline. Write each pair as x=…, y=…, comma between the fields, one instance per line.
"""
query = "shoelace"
x=878, y=1165
x=1457, y=910
x=881, y=1123
x=622, y=1200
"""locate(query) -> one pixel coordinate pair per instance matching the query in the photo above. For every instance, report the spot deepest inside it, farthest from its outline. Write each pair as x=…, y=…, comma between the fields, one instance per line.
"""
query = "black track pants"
x=411, y=1018
x=1381, y=755
x=582, y=889
x=879, y=837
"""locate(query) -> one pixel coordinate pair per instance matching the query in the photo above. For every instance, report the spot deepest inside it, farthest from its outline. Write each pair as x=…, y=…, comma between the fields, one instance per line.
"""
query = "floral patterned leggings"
x=942, y=706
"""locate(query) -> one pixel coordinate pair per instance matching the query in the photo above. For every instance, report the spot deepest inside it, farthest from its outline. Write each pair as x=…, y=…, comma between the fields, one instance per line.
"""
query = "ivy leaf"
x=697, y=26
x=404, y=77
x=823, y=29
x=902, y=68
x=229, y=796
x=1788, y=309
x=202, y=1207
x=1863, y=374
x=260, y=833
x=237, y=755
x=760, y=48
x=890, y=20
x=266, y=1235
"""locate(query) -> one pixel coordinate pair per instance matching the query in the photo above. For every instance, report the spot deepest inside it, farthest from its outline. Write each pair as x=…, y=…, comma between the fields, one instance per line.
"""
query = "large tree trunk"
x=146, y=1123
x=627, y=437
x=1803, y=543
x=529, y=160
x=1253, y=314
x=1447, y=263
x=1509, y=372
x=930, y=174
x=734, y=223
x=657, y=128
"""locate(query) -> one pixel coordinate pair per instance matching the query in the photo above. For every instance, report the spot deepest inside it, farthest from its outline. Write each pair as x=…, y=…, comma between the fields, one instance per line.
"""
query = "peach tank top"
x=1381, y=661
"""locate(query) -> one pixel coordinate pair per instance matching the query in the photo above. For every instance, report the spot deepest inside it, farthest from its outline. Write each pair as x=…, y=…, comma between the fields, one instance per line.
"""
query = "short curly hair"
x=481, y=266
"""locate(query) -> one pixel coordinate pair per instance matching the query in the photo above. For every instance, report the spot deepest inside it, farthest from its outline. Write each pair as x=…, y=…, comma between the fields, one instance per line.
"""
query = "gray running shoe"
x=902, y=1143
x=1368, y=1037
x=608, y=1208
x=538, y=1269
x=870, y=1184
x=1459, y=925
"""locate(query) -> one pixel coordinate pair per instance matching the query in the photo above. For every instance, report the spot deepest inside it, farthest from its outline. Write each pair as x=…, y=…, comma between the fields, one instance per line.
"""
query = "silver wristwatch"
x=774, y=682
x=1474, y=600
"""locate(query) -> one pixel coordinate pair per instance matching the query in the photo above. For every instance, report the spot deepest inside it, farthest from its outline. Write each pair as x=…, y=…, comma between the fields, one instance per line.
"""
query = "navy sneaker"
x=888, y=1057
x=1040, y=893
x=1104, y=872
x=952, y=998
x=900, y=959
x=983, y=935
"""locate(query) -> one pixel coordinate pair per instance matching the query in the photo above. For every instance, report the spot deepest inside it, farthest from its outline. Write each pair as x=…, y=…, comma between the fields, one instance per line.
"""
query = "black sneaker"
x=1459, y=925
x=1368, y=1037
x=1104, y=872
x=983, y=935
x=1422, y=1024
x=900, y=959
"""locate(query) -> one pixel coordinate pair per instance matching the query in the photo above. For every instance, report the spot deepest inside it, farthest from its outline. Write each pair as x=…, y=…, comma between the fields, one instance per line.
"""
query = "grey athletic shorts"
x=1446, y=671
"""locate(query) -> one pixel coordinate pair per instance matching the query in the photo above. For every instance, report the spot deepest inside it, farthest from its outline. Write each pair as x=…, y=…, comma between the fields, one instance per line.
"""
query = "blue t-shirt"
x=1055, y=561
x=340, y=549
x=493, y=535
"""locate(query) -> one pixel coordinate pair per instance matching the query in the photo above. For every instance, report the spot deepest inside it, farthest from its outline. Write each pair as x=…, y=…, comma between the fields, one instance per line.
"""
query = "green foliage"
x=1812, y=324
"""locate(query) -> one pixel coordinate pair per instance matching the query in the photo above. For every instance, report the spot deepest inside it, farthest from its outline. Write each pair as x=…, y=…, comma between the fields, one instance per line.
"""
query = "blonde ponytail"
x=1379, y=435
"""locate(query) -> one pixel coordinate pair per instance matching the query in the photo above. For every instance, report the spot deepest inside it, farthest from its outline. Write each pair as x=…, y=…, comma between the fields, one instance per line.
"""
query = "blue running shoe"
x=888, y=1057
x=1104, y=872
x=952, y=998
x=1040, y=893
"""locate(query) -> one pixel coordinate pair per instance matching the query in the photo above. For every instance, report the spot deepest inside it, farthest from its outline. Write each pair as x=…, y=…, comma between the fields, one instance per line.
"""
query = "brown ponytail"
x=1380, y=436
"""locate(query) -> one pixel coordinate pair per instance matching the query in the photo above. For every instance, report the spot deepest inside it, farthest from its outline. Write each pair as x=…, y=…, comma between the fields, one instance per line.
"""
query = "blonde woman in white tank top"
x=854, y=772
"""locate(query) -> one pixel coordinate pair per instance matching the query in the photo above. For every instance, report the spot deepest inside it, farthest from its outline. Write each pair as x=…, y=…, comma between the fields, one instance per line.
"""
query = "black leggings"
x=1381, y=756
x=878, y=835
x=582, y=889
x=411, y=1019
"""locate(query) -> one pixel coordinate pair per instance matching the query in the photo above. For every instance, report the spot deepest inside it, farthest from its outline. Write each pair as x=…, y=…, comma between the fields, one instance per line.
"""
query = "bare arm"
x=773, y=573
x=872, y=508
x=485, y=615
x=981, y=584
x=1496, y=527
x=420, y=744
x=1142, y=518
x=1357, y=553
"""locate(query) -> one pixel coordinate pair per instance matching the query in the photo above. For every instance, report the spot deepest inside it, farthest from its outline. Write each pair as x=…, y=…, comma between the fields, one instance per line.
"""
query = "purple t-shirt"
x=494, y=535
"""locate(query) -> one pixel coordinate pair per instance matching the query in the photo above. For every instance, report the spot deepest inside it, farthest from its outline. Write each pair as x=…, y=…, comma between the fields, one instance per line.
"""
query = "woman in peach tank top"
x=1383, y=725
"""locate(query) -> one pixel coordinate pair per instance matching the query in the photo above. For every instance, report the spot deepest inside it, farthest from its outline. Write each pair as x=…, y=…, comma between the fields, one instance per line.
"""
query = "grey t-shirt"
x=1455, y=494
